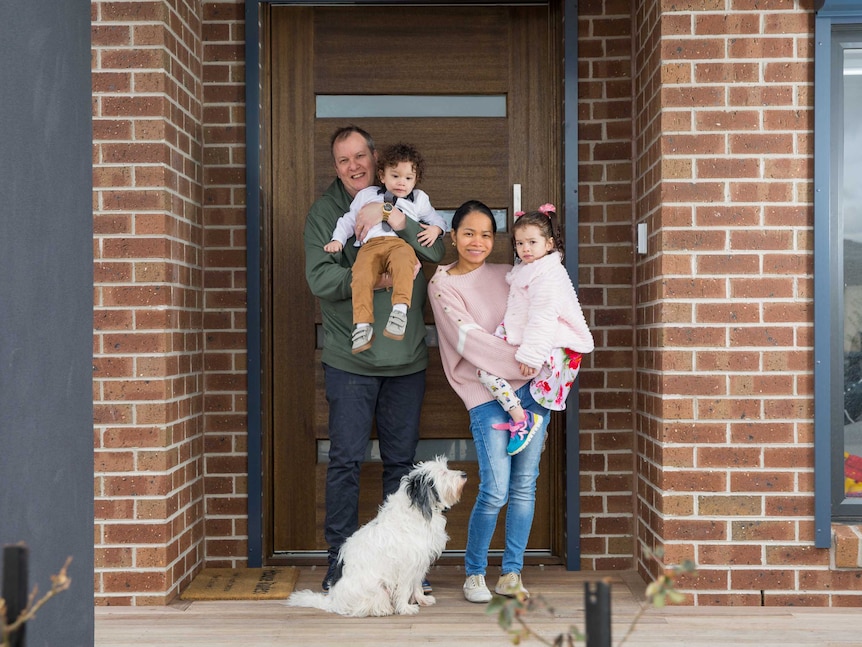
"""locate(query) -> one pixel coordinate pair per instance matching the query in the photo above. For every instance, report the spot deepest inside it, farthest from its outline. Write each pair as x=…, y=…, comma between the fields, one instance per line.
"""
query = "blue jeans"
x=503, y=478
x=355, y=401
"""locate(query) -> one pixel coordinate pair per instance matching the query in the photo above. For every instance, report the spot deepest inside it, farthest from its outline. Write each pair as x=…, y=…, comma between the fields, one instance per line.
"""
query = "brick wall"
x=148, y=342
x=647, y=93
x=605, y=282
x=724, y=302
x=224, y=308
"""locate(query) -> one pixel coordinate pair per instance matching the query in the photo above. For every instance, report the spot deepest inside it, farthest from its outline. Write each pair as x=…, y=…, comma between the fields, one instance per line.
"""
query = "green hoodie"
x=329, y=276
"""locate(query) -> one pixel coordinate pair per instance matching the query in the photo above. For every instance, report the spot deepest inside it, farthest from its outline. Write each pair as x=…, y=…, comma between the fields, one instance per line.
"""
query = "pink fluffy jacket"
x=543, y=312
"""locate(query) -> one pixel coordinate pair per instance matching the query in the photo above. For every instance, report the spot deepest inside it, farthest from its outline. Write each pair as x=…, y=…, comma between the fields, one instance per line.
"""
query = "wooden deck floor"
x=453, y=621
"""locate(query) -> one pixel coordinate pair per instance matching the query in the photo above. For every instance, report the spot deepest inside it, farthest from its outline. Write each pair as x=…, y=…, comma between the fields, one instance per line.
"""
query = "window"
x=846, y=195
x=838, y=266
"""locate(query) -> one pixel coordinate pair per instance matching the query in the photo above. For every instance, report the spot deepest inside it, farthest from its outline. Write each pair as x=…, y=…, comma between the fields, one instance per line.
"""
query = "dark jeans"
x=354, y=403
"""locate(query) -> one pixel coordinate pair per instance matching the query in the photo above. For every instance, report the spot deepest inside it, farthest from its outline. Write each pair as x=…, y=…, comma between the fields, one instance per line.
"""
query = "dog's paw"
x=426, y=600
x=409, y=610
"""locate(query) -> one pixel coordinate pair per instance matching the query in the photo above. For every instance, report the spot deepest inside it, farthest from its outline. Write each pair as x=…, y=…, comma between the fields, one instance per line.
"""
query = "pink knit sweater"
x=467, y=310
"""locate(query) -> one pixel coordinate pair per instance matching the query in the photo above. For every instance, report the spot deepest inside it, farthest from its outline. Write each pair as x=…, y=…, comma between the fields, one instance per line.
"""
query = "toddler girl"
x=544, y=318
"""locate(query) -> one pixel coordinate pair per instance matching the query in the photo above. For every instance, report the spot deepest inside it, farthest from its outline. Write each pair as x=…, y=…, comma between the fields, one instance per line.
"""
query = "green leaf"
x=504, y=619
x=576, y=633
x=495, y=605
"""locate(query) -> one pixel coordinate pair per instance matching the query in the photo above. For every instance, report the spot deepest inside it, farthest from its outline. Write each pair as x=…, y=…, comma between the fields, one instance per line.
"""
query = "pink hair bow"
x=518, y=214
x=547, y=208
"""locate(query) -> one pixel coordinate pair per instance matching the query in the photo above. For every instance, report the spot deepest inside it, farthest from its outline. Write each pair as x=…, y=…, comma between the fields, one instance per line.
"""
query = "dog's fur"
x=384, y=562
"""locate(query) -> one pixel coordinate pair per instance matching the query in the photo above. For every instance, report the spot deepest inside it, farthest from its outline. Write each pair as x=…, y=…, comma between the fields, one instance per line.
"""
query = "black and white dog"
x=384, y=562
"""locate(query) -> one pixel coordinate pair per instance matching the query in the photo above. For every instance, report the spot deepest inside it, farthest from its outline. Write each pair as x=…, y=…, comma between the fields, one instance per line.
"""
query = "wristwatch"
x=387, y=211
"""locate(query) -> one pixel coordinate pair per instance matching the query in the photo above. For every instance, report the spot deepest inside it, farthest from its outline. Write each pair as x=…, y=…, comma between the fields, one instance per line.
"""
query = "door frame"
x=255, y=279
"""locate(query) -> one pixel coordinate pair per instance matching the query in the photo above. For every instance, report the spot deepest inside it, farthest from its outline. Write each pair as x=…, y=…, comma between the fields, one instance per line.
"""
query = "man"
x=385, y=383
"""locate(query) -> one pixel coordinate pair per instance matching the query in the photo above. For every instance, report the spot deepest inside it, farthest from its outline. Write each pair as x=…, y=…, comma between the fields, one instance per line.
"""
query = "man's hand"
x=372, y=214
x=384, y=281
x=333, y=246
x=368, y=216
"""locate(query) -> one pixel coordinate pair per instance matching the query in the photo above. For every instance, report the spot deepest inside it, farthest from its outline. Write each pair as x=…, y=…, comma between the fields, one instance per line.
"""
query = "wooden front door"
x=385, y=68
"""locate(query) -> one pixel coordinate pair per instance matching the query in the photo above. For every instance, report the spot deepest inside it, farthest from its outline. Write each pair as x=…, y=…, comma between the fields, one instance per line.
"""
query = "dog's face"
x=432, y=486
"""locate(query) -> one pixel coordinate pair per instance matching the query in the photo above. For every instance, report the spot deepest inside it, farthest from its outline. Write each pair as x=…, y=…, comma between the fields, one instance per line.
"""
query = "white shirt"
x=418, y=209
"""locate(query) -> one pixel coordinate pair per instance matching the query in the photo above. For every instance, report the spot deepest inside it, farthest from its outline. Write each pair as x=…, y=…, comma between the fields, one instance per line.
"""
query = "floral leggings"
x=549, y=388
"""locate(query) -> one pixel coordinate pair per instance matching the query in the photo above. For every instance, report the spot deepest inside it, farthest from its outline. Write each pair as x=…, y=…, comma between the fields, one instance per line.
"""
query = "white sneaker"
x=362, y=338
x=510, y=585
x=475, y=589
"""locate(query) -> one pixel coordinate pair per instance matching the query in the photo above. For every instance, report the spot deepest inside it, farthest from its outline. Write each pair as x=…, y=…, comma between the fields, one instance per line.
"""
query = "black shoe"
x=333, y=574
x=328, y=578
x=426, y=587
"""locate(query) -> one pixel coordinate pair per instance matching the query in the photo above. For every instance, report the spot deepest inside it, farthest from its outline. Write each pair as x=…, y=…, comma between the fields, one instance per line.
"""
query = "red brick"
x=693, y=481
x=757, y=530
x=114, y=461
x=113, y=558
x=729, y=505
x=725, y=408
x=135, y=533
x=691, y=49
x=762, y=580
x=796, y=600
x=760, y=144
x=136, y=581
x=796, y=555
x=727, y=168
x=687, y=96
x=789, y=72
x=760, y=48
x=729, y=555
x=729, y=600
x=704, y=578
x=726, y=24
x=788, y=457
x=753, y=95
x=114, y=509
x=136, y=485
x=789, y=506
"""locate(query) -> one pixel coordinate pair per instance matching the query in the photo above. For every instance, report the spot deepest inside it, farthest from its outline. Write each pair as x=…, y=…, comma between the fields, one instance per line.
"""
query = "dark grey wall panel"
x=46, y=300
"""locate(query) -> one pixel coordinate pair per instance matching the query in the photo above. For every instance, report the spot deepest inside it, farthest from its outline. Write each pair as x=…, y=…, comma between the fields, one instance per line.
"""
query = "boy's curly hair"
x=401, y=152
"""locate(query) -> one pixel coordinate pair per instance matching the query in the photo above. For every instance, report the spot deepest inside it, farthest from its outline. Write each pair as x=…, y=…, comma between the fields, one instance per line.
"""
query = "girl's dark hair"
x=548, y=224
x=469, y=207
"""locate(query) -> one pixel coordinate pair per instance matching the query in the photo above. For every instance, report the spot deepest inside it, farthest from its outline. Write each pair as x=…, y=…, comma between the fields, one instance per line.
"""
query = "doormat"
x=242, y=584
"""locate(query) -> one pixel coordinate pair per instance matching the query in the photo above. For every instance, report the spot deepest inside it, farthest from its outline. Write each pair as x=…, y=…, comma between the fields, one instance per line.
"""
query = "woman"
x=469, y=298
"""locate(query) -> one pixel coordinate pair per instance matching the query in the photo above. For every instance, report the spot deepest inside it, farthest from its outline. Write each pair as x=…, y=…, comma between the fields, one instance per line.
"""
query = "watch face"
x=387, y=206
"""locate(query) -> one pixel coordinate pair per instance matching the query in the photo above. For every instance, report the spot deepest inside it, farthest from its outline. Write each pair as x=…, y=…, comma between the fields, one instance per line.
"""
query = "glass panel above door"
x=407, y=105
